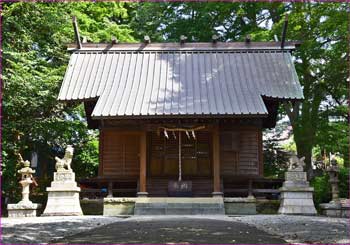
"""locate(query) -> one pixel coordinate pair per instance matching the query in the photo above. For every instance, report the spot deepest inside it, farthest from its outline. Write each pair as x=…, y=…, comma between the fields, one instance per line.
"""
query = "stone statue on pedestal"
x=296, y=194
x=63, y=195
x=25, y=208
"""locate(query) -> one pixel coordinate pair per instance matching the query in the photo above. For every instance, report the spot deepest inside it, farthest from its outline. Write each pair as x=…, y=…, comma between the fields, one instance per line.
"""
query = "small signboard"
x=179, y=188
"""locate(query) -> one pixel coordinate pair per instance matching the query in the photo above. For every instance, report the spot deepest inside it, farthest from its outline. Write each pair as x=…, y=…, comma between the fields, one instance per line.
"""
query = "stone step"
x=179, y=206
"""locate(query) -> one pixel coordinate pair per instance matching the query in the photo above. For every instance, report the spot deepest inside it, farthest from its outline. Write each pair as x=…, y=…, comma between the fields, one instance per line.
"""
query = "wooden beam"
x=216, y=161
x=143, y=161
x=284, y=31
x=76, y=32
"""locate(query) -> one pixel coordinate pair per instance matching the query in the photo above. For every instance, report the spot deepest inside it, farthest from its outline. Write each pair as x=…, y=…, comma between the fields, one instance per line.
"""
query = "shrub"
x=344, y=182
x=322, y=189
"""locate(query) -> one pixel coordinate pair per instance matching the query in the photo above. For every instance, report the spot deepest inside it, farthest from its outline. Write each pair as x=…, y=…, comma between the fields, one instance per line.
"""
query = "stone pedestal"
x=296, y=194
x=23, y=209
x=63, y=195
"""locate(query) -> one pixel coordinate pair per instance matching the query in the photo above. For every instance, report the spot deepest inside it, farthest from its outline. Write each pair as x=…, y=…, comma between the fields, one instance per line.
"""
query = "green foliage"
x=321, y=67
x=344, y=182
x=86, y=158
x=320, y=60
x=199, y=21
x=322, y=189
x=275, y=160
x=34, y=62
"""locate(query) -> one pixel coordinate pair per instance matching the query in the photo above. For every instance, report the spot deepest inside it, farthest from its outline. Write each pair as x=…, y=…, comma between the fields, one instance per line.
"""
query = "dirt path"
x=174, y=230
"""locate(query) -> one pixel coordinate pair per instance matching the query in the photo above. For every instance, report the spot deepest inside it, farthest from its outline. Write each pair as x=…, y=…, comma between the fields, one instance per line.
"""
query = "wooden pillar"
x=261, y=154
x=100, y=154
x=216, y=161
x=250, y=188
x=143, y=159
x=110, y=189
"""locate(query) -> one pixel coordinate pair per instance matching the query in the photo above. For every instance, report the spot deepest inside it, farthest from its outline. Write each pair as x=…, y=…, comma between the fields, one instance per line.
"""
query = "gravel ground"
x=277, y=228
x=45, y=229
x=302, y=229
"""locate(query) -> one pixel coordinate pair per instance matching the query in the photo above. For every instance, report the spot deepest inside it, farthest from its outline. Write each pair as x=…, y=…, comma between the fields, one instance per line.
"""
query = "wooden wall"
x=119, y=153
x=163, y=155
x=241, y=151
x=240, y=154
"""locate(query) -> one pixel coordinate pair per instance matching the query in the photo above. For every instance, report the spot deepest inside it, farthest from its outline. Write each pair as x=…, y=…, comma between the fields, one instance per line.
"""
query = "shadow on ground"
x=184, y=230
x=44, y=229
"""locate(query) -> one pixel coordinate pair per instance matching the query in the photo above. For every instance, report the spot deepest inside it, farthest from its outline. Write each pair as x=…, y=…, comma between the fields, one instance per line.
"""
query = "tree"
x=320, y=63
x=320, y=60
x=34, y=62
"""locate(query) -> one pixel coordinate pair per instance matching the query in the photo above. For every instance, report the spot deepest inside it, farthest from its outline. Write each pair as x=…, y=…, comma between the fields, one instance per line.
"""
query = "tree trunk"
x=304, y=149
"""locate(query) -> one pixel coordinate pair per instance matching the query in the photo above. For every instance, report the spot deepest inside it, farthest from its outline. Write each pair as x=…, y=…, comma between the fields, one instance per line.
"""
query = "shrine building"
x=180, y=113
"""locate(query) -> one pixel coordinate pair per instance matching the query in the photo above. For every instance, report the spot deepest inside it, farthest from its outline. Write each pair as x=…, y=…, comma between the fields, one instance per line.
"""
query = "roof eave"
x=202, y=116
x=299, y=98
x=77, y=100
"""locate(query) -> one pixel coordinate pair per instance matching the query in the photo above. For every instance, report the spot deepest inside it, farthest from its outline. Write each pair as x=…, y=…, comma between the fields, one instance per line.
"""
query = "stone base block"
x=179, y=206
x=295, y=176
x=339, y=209
x=92, y=206
x=22, y=210
x=296, y=195
x=298, y=203
x=118, y=206
x=142, y=194
x=217, y=194
x=240, y=205
x=62, y=203
x=297, y=210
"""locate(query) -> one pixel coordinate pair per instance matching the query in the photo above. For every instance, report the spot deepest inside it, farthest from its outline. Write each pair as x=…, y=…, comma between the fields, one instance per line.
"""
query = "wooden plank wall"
x=120, y=153
x=241, y=152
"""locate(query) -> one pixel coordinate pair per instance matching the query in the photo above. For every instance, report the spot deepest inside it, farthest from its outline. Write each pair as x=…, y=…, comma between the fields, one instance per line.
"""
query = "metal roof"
x=159, y=83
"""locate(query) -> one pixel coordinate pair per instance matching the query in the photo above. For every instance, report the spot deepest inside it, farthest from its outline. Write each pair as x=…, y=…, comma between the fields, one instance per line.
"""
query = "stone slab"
x=240, y=205
x=296, y=195
x=297, y=210
x=179, y=206
x=92, y=206
x=27, y=209
x=296, y=189
x=297, y=202
x=64, y=176
x=116, y=206
x=295, y=176
x=339, y=209
x=296, y=184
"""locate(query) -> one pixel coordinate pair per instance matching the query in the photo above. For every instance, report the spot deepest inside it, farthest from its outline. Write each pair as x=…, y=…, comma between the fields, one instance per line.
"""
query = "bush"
x=344, y=182
x=275, y=160
x=322, y=189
